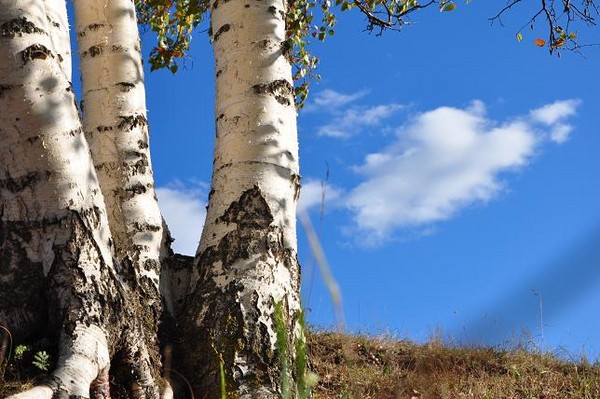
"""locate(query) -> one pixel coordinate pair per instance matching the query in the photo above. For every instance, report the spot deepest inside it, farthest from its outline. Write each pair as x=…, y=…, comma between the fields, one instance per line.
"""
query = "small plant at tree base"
x=20, y=352
x=305, y=379
x=221, y=374
x=41, y=361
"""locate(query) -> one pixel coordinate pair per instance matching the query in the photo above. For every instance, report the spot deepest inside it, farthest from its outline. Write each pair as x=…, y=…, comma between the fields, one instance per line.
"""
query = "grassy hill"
x=364, y=368
x=358, y=367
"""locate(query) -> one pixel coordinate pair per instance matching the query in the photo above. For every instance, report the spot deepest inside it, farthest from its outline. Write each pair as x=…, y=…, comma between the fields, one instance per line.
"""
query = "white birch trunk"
x=57, y=275
x=116, y=127
x=246, y=262
x=53, y=227
x=115, y=124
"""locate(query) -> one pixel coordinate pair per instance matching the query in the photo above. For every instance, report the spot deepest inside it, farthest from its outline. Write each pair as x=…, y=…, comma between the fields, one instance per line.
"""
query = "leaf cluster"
x=173, y=21
x=561, y=18
x=301, y=29
x=310, y=21
x=307, y=21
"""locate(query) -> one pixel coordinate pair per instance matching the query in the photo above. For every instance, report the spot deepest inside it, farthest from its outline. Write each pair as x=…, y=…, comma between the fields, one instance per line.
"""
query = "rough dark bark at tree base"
x=232, y=324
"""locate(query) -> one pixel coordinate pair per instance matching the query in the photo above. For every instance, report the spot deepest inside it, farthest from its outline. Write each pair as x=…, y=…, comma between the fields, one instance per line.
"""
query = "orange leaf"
x=559, y=43
x=539, y=42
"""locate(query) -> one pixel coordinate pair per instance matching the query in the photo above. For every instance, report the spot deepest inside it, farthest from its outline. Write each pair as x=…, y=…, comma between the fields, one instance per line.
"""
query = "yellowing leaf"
x=539, y=42
x=559, y=43
x=448, y=7
x=519, y=37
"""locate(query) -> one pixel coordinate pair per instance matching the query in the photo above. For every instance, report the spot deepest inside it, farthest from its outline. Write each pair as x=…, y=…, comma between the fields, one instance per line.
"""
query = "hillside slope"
x=356, y=367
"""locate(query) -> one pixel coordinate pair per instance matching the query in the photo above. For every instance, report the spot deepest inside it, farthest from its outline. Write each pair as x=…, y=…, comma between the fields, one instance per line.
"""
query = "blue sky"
x=460, y=170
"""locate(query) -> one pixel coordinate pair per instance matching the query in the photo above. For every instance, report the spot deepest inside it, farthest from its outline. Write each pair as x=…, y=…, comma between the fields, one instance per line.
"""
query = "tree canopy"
x=174, y=22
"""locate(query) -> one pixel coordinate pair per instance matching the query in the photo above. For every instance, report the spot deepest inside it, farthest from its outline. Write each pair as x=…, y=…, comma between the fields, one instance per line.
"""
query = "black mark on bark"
x=251, y=210
x=130, y=122
x=93, y=51
x=296, y=183
x=35, y=52
x=93, y=27
x=280, y=88
x=138, y=167
x=222, y=29
x=52, y=22
x=273, y=10
x=15, y=185
x=5, y=88
x=216, y=3
x=18, y=27
x=134, y=190
x=286, y=47
x=104, y=128
x=146, y=227
x=125, y=86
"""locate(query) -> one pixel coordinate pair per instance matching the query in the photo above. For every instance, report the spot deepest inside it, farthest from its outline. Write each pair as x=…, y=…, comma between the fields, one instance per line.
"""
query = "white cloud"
x=315, y=193
x=331, y=99
x=353, y=120
x=553, y=116
x=345, y=118
x=560, y=133
x=184, y=210
x=550, y=114
x=443, y=161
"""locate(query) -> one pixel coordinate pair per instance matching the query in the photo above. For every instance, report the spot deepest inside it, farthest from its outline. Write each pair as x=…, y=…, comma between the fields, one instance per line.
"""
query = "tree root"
x=100, y=387
x=83, y=357
x=83, y=370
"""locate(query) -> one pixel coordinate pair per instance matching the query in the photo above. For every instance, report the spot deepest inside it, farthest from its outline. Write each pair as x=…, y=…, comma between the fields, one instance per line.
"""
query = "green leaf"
x=41, y=360
x=448, y=6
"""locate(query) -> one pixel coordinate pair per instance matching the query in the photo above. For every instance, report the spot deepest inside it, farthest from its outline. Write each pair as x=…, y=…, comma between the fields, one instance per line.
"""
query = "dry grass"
x=357, y=367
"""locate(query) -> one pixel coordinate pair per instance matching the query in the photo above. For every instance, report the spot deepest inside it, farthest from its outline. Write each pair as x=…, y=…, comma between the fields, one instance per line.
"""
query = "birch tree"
x=84, y=256
x=246, y=262
x=59, y=265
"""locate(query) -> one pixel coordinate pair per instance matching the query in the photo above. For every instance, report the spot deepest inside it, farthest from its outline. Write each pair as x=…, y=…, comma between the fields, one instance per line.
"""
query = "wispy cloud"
x=355, y=119
x=184, y=210
x=556, y=112
x=331, y=99
x=347, y=119
x=445, y=160
x=553, y=115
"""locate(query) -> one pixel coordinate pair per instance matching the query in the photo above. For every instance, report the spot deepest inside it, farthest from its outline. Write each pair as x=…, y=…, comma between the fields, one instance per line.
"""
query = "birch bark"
x=246, y=262
x=116, y=128
x=54, y=238
x=58, y=273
